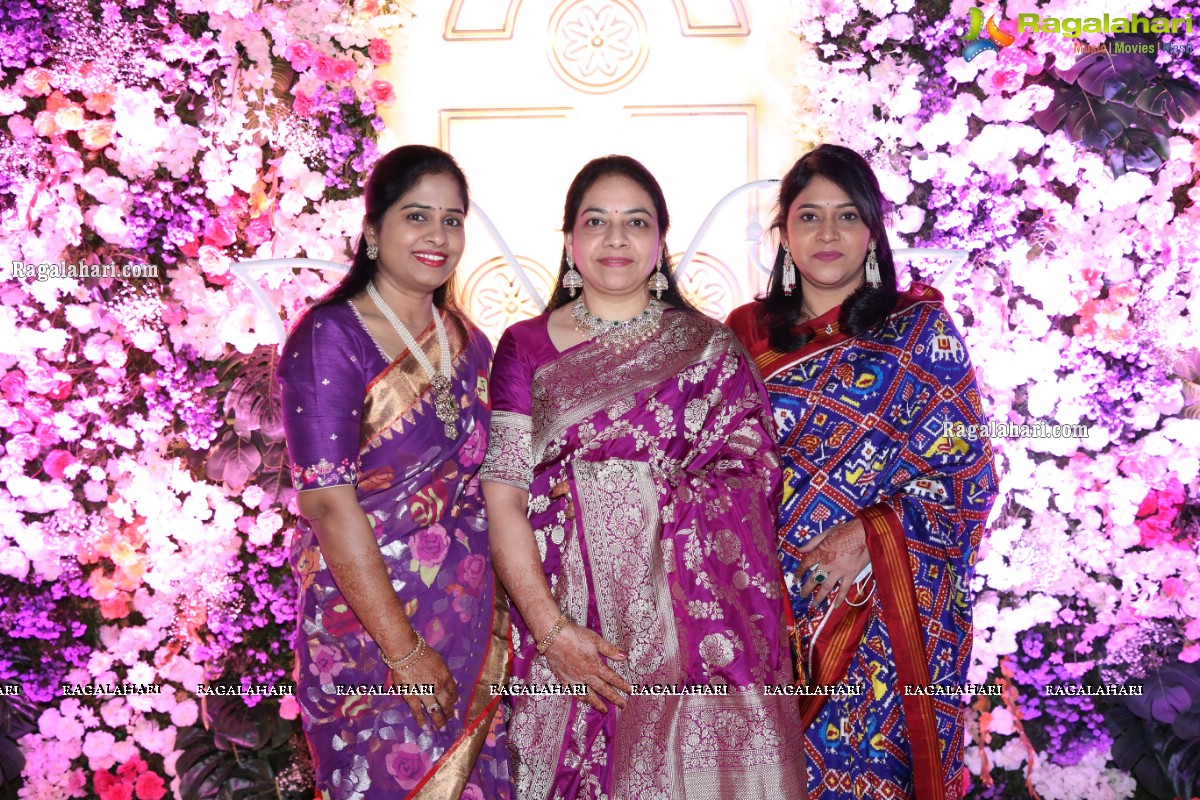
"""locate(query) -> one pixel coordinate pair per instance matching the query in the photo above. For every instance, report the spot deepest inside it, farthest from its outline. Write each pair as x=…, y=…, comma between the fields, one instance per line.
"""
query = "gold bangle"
x=413, y=656
x=549, y=638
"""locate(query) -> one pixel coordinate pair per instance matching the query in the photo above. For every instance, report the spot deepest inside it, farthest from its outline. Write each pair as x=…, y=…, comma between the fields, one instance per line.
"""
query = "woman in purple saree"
x=402, y=630
x=631, y=483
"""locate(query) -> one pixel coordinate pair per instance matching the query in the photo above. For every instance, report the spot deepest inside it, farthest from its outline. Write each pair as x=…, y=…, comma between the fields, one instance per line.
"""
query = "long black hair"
x=867, y=306
x=394, y=176
x=635, y=171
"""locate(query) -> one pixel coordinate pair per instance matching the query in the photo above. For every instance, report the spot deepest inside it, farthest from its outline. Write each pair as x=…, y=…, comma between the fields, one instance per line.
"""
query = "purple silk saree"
x=652, y=484
x=352, y=417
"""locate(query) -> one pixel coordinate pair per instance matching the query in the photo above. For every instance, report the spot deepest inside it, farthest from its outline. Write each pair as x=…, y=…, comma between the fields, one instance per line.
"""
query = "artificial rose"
x=101, y=101
x=69, y=117
x=407, y=763
x=471, y=572
x=302, y=104
x=220, y=232
x=96, y=134
x=430, y=546
x=258, y=230
x=13, y=387
x=325, y=67
x=344, y=69
x=150, y=786
x=379, y=51
x=34, y=83
x=381, y=92
x=56, y=463
x=301, y=55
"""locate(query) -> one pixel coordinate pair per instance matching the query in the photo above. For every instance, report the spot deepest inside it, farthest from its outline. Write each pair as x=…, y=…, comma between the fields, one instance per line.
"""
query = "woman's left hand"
x=841, y=553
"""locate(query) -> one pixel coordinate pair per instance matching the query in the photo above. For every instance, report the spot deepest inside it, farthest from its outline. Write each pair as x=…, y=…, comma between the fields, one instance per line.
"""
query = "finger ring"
x=820, y=575
x=432, y=708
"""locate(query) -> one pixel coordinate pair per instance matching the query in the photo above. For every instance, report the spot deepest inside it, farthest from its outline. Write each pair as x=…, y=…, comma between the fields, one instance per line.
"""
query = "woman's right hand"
x=430, y=668
x=574, y=655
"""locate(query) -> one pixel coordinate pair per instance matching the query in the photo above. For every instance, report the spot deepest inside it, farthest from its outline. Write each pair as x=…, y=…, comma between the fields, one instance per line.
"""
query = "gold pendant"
x=444, y=406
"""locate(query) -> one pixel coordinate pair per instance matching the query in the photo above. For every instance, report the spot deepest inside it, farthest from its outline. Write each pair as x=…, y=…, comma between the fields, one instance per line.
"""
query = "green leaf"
x=1170, y=98
x=428, y=574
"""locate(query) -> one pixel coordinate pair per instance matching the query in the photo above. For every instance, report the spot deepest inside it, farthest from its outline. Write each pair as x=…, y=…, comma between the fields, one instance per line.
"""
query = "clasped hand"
x=574, y=655
x=841, y=552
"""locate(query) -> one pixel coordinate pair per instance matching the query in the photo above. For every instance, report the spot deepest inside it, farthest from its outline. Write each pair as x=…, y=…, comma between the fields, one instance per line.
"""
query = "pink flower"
x=23, y=447
x=220, y=232
x=344, y=69
x=288, y=707
x=381, y=92
x=56, y=463
x=471, y=572
x=407, y=764
x=12, y=386
x=431, y=545
x=435, y=633
x=47, y=435
x=110, y=787
x=1174, y=588
x=258, y=230
x=326, y=663
x=472, y=792
x=300, y=55
x=302, y=104
x=325, y=67
x=150, y=786
x=381, y=53
x=463, y=604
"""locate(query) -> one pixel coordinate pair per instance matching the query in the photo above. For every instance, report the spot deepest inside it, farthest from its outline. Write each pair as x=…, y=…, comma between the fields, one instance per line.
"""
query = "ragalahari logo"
x=993, y=40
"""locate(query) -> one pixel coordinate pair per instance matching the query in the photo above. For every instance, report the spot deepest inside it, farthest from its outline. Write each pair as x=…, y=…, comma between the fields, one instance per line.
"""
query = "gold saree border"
x=680, y=341
x=393, y=395
x=448, y=777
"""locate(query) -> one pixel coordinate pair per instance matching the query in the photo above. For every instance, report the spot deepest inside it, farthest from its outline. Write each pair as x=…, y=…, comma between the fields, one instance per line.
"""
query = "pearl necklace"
x=618, y=335
x=443, y=400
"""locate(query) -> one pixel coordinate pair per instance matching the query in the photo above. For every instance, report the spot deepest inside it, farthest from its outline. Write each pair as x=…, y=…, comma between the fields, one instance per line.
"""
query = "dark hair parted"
x=635, y=171
x=866, y=307
x=394, y=176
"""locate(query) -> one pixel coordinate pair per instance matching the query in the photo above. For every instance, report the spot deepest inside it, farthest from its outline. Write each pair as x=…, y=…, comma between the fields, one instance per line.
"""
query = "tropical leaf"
x=17, y=718
x=1137, y=150
x=253, y=397
x=235, y=724
x=1133, y=751
x=1111, y=75
x=1169, y=98
x=233, y=460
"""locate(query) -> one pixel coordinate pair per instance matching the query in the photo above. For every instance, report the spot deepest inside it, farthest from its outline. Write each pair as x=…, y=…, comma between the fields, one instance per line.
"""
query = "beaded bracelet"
x=549, y=638
x=413, y=656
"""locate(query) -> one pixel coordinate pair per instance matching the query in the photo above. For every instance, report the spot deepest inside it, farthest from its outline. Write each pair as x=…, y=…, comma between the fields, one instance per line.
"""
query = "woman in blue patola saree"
x=885, y=496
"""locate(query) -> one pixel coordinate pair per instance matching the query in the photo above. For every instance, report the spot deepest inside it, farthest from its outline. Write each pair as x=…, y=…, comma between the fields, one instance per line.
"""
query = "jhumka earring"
x=789, y=271
x=572, y=281
x=874, y=280
x=658, y=281
x=372, y=251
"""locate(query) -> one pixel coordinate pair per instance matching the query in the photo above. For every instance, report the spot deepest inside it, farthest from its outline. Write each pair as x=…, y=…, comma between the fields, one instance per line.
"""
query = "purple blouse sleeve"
x=322, y=384
x=510, y=448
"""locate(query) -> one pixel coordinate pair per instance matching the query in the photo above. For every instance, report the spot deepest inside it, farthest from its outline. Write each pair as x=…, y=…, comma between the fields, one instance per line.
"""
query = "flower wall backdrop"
x=1072, y=181
x=146, y=512
x=144, y=518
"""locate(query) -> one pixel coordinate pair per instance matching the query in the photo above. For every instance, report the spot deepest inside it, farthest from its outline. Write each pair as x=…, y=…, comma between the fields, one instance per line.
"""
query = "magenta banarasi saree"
x=653, y=481
x=354, y=418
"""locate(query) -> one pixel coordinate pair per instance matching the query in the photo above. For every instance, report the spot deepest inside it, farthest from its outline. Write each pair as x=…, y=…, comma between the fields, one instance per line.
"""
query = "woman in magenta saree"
x=382, y=467
x=880, y=503
x=650, y=480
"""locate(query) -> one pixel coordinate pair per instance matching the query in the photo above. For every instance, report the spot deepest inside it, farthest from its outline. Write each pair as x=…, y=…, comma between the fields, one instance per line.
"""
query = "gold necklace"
x=622, y=334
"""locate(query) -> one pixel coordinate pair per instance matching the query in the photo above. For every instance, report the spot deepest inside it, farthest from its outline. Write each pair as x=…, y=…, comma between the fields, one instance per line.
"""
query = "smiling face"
x=614, y=238
x=420, y=237
x=828, y=238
